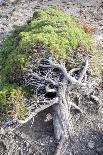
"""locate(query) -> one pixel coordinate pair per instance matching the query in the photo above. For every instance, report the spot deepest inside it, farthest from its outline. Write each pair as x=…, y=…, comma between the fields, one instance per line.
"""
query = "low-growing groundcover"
x=12, y=102
x=51, y=32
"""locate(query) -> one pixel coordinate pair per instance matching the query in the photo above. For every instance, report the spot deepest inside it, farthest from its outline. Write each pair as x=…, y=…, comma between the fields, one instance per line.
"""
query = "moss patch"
x=12, y=102
x=54, y=31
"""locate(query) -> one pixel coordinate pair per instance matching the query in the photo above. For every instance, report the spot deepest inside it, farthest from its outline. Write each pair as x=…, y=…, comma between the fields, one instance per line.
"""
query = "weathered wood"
x=61, y=107
x=61, y=119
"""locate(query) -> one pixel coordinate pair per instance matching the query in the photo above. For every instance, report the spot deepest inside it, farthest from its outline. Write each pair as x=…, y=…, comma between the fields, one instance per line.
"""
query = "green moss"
x=60, y=33
x=62, y=36
x=12, y=102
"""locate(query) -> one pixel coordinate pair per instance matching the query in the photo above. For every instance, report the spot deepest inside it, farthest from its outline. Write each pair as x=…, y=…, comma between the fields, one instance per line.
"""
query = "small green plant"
x=62, y=36
x=12, y=102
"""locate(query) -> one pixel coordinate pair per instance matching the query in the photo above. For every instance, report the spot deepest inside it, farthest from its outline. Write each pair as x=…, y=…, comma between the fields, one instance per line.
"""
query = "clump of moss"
x=60, y=34
x=12, y=102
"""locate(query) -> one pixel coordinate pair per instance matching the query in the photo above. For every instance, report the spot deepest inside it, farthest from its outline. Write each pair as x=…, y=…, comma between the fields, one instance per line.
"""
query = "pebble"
x=13, y=1
x=2, y=131
x=2, y=2
x=91, y=144
x=100, y=150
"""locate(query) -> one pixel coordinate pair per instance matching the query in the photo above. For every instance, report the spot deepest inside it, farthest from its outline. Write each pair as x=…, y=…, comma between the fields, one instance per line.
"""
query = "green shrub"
x=12, y=102
x=62, y=36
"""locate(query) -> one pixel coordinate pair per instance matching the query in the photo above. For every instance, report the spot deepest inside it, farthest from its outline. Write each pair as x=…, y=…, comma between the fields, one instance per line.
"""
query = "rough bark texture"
x=68, y=87
x=61, y=107
x=61, y=120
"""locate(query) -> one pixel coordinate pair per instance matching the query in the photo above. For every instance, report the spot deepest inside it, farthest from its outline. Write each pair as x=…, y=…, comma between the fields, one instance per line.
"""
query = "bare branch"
x=76, y=107
x=59, y=146
x=83, y=73
x=71, y=72
x=68, y=76
x=43, y=107
x=40, y=78
x=95, y=98
x=49, y=89
x=49, y=80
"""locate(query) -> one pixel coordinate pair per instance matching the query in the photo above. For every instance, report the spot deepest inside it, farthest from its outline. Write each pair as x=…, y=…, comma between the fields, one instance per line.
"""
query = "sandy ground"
x=17, y=12
x=88, y=128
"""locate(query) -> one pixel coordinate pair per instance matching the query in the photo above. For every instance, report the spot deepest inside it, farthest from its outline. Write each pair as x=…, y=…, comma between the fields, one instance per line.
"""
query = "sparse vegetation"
x=60, y=34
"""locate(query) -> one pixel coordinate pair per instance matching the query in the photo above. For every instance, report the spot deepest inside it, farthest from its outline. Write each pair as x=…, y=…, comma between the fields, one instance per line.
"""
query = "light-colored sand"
x=18, y=12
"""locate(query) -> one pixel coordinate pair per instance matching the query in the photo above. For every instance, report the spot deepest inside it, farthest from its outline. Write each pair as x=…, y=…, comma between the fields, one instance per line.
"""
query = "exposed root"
x=83, y=73
x=59, y=147
x=95, y=98
x=33, y=114
x=61, y=104
x=76, y=107
x=66, y=74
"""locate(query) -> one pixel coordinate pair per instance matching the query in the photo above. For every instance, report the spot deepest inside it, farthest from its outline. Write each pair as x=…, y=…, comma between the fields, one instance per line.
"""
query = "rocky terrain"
x=36, y=137
x=17, y=12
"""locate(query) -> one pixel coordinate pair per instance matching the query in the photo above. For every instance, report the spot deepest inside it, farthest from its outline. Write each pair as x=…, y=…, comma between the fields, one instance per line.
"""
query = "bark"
x=61, y=104
x=61, y=118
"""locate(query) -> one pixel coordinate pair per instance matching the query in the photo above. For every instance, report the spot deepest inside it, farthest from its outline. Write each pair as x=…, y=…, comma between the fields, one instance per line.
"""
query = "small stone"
x=91, y=144
x=51, y=140
x=48, y=117
x=2, y=2
x=13, y=1
x=100, y=150
x=2, y=131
